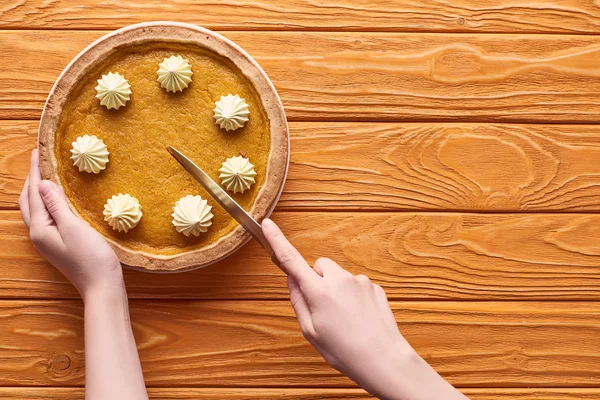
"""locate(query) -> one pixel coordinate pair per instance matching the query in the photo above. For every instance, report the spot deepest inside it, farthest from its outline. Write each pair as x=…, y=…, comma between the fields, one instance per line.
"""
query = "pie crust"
x=278, y=158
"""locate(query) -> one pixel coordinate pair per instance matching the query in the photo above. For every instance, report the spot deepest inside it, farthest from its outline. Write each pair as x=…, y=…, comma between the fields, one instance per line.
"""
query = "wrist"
x=106, y=293
x=404, y=364
x=107, y=283
x=383, y=371
x=414, y=379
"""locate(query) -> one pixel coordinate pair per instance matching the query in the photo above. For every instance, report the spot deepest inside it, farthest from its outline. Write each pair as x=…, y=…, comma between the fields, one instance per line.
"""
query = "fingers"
x=24, y=203
x=328, y=268
x=301, y=308
x=382, y=301
x=363, y=280
x=290, y=259
x=380, y=295
x=378, y=291
x=56, y=203
x=37, y=209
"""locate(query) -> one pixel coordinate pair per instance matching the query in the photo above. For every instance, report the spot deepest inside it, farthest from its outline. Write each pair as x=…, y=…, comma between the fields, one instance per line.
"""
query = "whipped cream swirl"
x=191, y=215
x=231, y=112
x=122, y=212
x=113, y=90
x=174, y=74
x=237, y=174
x=89, y=154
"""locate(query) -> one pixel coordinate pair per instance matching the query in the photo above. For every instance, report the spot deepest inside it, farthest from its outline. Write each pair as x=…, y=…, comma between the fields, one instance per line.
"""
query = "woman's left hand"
x=70, y=244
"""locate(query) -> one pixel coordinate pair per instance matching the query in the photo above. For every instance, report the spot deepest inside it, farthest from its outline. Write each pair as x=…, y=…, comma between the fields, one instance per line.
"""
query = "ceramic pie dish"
x=137, y=134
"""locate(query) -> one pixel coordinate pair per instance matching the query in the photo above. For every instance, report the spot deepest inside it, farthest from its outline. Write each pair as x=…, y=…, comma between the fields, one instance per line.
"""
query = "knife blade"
x=226, y=201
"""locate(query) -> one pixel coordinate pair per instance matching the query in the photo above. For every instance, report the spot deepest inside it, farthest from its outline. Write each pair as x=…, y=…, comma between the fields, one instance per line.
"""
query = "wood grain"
x=413, y=256
x=410, y=166
x=17, y=139
x=48, y=393
x=371, y=76
x=38, y=393
x=562, y=16
x=259, y=344
x=532, y=394
x=451, y=166
x=368, y=76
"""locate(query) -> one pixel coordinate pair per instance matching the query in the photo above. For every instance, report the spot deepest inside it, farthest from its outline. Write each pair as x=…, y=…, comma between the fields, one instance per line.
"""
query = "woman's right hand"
x=67, y=242
x=348, y=320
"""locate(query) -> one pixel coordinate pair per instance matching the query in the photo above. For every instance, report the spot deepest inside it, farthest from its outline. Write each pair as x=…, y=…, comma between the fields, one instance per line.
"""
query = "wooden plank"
x=17, y=139
x=532, y=394
x=412, y=255
x=48, y=393
x=349, y=15
x=37, y=393
x=368, y=76
x=259, y=344
x=409, y=166
x=456, y=166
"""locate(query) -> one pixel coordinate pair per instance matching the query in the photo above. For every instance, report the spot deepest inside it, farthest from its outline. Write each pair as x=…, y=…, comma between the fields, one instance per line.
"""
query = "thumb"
x=55, y=202
x=301, y=308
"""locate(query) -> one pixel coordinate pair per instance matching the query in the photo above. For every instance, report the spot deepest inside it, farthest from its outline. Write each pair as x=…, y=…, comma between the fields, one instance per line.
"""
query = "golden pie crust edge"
x=278, y=159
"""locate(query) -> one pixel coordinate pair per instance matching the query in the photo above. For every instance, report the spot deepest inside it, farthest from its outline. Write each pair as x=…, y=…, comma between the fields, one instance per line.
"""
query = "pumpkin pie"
x=176, y=110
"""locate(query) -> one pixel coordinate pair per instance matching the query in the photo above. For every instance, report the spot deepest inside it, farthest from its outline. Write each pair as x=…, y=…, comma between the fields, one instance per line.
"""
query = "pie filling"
x=137, y=134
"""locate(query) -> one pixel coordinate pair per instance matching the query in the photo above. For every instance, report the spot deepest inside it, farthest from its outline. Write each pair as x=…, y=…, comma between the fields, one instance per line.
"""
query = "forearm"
x=112, y=364
x=423, y=382
x=408, y=377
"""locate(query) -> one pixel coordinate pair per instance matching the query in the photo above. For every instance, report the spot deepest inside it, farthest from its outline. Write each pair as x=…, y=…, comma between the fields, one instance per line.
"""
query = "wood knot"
x=61, y=362
x=461, y=21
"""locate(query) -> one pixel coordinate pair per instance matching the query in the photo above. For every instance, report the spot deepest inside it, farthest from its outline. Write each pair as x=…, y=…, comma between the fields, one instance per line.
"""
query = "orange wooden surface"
x=551, y=16
x=367, y=76
x=416, y=166
x=414, y=256
x=11, y=393
x=448, y=149
x=233, y=343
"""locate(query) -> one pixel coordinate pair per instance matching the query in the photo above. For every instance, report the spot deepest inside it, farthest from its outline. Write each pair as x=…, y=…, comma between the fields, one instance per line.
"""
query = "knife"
x=225, y=200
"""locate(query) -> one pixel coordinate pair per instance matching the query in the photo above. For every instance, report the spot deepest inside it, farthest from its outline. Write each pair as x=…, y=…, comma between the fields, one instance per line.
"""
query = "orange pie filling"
x=137, y=134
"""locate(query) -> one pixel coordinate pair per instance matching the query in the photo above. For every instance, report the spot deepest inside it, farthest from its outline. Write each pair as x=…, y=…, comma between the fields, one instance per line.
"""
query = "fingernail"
x=45, y=187
x=267, y=223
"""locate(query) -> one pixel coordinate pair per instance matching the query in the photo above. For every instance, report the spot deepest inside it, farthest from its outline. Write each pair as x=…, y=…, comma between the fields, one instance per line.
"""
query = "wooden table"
x=450, y=150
